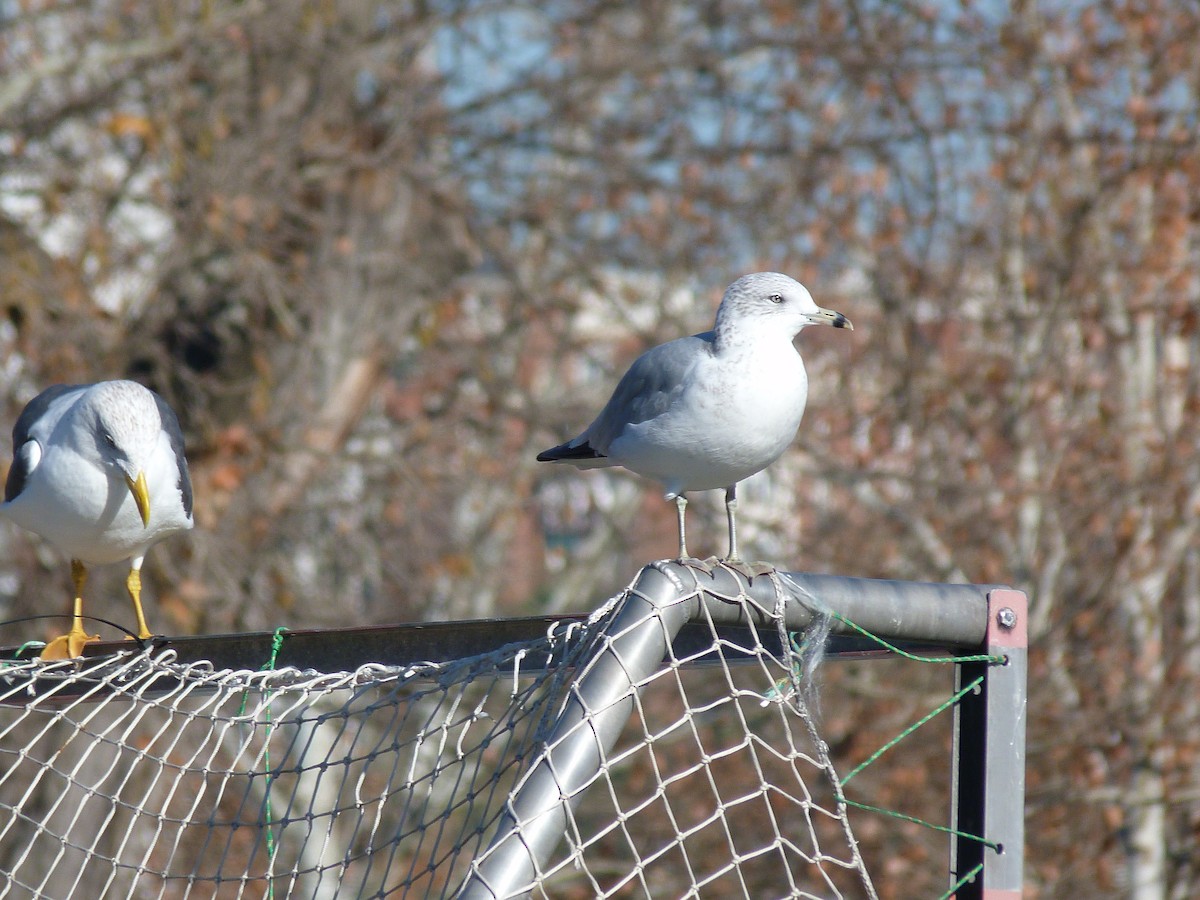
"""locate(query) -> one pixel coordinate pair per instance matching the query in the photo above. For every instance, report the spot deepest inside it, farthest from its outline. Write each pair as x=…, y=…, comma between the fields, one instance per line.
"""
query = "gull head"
x=775, y=301
x=123, y=421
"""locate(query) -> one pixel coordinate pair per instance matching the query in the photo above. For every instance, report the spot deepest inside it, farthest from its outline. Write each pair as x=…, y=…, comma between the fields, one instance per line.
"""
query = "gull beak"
x=829, y=317
x=141, y=495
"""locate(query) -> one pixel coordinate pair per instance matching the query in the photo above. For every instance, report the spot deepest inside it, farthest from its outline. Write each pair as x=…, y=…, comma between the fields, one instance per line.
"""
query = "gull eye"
x=110, y=441
x=776, y=298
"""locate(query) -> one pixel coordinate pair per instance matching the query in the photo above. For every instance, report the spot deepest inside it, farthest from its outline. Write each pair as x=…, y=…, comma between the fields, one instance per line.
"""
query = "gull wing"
x=170, y=424
x=33, y=427
x=644, y=392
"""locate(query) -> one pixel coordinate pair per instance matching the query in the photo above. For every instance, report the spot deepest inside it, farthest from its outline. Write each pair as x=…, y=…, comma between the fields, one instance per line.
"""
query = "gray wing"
x=646, y=391
x=34, y=424
x=170, y=424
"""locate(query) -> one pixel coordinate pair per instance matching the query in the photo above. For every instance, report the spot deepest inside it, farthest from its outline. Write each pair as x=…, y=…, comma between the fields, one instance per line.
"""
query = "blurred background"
x=377, y=255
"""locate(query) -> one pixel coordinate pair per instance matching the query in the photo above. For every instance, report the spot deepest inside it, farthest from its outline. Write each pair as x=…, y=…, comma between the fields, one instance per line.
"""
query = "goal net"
x=605, y=758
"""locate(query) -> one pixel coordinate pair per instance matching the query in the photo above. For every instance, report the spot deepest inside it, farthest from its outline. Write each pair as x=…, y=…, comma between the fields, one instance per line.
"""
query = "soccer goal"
x=668, y=745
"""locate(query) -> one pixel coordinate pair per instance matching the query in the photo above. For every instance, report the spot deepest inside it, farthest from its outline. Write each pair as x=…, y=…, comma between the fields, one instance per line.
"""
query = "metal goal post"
x=457, y=758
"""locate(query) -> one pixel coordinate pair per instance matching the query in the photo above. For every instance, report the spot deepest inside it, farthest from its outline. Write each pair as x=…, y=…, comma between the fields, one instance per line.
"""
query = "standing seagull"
x=707, y=411
x=98, y=471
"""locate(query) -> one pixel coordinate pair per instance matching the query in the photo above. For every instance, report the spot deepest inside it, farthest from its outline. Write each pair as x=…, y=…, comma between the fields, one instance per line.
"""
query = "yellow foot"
x=139, y=637
x=69, y=645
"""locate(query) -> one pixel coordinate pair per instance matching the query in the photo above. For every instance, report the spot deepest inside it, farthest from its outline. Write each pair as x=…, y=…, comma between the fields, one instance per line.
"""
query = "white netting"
x=138, y=776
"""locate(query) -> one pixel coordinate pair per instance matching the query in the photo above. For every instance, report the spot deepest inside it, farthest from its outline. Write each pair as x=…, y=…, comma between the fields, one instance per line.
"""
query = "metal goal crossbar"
x=663, y=746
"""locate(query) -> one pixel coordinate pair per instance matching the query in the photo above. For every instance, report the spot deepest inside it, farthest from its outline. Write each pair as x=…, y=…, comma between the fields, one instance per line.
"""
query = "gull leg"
x=70, y=645
x=733, y=561
x=681, y=505
x=133, y=584
x=731, y=513
x=703, y=565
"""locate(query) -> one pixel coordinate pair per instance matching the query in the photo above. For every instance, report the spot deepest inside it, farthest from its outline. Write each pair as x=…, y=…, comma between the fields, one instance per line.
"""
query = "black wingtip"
x=15, y=482
x=565, y=453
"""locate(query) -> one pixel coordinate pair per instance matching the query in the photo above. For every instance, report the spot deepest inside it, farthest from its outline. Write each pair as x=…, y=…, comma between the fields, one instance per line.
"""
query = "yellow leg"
x=70, y=645
x=133, y=584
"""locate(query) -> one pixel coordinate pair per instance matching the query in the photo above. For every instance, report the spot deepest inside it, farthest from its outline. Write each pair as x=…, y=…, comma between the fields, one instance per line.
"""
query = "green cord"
x=781, y=684
x=970, y=876
x=276, y=646
x=957, y=696
x=268, y=666
x=16, y=659
x=983, y=657
x=907, y=818
x=906, y=732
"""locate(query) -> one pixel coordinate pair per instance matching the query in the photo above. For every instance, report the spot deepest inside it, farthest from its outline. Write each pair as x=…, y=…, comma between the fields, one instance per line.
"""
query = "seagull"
x=707, y=411
x=98, y=471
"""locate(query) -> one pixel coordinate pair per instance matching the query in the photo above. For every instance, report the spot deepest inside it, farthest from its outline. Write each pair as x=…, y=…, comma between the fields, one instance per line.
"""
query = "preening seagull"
x=98, y=471
x=710, y=410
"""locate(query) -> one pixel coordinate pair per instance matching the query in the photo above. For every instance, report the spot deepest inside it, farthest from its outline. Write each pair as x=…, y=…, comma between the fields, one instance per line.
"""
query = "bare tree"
x=379, y=254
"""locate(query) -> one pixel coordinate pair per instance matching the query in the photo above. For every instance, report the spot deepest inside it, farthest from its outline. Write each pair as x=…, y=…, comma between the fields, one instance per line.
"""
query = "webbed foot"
x=69, y=645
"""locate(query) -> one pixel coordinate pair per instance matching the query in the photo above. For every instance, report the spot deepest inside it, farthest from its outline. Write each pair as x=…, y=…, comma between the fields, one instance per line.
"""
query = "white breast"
x=724, y=426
